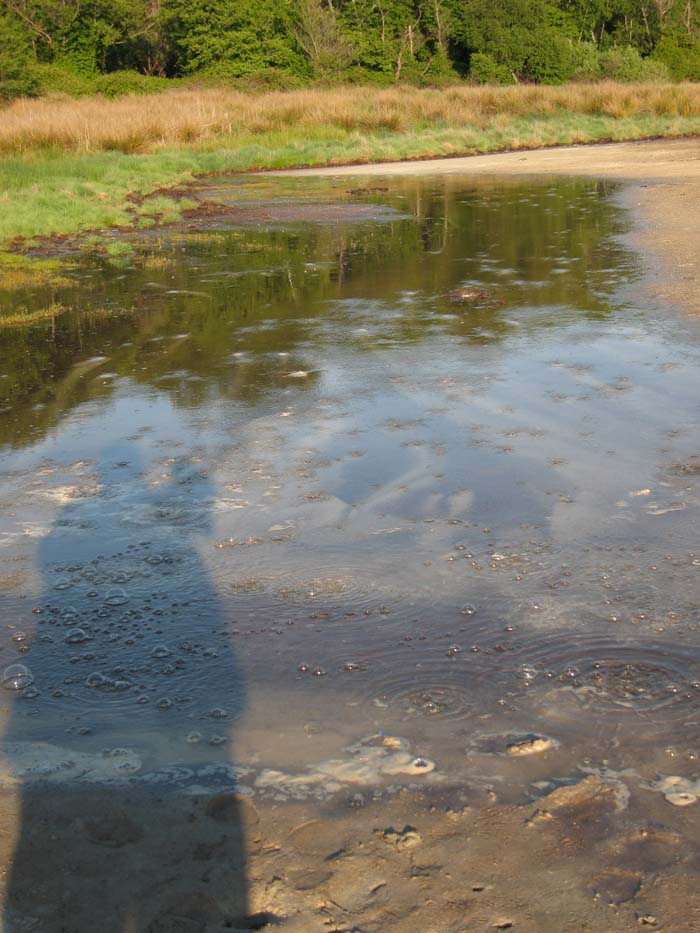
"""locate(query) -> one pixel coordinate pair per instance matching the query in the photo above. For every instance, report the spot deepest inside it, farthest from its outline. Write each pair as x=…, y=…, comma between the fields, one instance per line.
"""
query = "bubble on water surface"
x=528, y=673
x=445, y=702
x=116, y=596
x=613, y=677
x=76, y=636
x=96, y=680
x=99, y=681
x=17, y=677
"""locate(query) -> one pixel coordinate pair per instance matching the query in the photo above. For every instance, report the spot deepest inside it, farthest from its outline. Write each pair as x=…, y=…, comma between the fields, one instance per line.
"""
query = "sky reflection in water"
x=296, y=452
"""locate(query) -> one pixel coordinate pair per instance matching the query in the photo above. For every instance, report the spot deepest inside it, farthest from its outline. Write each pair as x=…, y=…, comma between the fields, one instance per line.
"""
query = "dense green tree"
x=283, y=41
x=241, y=38
x=319, y=34
x=15, y=59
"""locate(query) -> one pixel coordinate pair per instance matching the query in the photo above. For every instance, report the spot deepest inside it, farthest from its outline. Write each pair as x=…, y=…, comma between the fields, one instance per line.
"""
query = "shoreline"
x=665, y=203
x=667, y=173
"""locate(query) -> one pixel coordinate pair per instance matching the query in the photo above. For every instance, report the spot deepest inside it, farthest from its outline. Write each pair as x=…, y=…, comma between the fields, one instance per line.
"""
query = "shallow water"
x=271, y=487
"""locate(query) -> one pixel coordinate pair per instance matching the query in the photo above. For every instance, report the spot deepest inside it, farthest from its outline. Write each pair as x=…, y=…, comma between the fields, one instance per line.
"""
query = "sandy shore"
x=665, y=196
x=587, y=857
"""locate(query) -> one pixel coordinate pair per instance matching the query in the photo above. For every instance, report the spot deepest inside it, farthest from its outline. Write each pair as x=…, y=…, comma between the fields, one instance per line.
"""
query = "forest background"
x=125, y=46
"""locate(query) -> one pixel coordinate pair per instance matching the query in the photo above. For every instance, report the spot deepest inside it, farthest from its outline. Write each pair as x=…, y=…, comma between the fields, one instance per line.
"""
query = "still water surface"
x=272, y=486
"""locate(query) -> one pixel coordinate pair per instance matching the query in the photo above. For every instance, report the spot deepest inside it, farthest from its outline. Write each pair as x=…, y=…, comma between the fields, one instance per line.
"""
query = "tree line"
x=51, y=43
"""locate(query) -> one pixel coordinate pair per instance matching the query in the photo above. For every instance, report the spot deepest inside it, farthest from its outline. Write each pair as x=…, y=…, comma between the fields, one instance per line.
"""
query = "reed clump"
x=220, y=116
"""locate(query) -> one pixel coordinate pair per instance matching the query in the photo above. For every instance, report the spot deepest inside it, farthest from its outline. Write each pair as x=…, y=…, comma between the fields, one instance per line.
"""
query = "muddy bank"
x=586, y=856
x=665, y=198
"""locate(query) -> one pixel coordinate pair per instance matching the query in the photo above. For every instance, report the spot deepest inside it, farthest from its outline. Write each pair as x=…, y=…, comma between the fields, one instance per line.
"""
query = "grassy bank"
x=68, y=165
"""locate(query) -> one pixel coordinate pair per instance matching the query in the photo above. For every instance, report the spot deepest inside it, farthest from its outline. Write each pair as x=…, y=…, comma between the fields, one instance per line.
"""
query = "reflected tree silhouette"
x=132, y=700
x=252, y=290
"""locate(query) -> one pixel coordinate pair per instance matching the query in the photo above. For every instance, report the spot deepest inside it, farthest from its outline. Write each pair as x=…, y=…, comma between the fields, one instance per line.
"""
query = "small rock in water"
x=469, y=293
x=677, y=790
x=530, y=745
x=681, y=799
x=616, y=886
x=586, y=802
x=405, y=838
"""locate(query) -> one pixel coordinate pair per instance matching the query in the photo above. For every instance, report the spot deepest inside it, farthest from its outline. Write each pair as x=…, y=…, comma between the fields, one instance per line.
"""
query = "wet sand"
x=665, y=195
x=584, y=857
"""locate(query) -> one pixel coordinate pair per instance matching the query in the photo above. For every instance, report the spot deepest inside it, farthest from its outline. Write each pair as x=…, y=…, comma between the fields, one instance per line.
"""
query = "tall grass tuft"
x=209, y=116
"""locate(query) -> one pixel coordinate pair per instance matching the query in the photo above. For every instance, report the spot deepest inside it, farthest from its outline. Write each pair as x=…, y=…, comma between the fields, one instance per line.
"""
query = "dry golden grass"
x=147, y=123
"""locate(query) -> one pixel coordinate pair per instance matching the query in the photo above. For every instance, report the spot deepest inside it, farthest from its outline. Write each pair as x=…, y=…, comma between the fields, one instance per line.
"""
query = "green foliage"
x=586, y=61
x=550, y=59
x=681, y=56
x=16, y=79
x=111, y=46
x=222, y=38
x=117, y=83
x=486, y=70
x=61, y=79
x=626, y=64
x=318, y=33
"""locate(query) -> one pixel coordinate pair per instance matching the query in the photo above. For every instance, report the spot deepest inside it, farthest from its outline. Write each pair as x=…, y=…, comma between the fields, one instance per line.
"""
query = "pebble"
x=530, y=745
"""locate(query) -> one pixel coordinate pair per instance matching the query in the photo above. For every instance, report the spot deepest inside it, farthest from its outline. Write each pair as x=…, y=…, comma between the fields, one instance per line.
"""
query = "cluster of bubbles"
x=317, y=670
x=99, y=681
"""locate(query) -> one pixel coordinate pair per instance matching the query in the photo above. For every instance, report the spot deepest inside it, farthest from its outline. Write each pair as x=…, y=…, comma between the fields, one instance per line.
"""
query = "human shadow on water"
x=128, y=818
